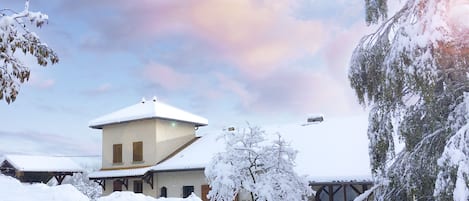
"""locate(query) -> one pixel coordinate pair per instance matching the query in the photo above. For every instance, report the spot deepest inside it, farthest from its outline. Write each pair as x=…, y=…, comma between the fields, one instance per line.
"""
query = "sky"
x=231, y=61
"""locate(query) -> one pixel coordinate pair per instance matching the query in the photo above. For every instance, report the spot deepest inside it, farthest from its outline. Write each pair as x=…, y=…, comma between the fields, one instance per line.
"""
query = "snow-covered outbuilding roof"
x=148, y=110
x=332, y=150
x=29, y=163
x=134, y=172
x=335, y=149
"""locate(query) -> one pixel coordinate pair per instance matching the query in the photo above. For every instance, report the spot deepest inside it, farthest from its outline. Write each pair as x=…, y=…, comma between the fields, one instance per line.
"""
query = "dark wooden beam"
x=125, y=182
x=331, y=192
x=318, y=193
x=101, y=182
x=356, y=190
x=344, y=187
x=59, y=178
x=148, y=178
x=336, y=190
x=365, y=187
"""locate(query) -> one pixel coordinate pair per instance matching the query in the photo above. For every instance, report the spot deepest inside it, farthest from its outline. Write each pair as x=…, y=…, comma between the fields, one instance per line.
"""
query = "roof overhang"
x=101, y=125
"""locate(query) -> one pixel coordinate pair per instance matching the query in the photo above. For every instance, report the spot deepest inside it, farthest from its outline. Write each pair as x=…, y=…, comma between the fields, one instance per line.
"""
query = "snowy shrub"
x=81, y=182
x=252, y=164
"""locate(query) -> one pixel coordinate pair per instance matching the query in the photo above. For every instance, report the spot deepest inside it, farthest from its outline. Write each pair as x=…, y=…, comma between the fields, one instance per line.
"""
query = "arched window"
x=164, y=192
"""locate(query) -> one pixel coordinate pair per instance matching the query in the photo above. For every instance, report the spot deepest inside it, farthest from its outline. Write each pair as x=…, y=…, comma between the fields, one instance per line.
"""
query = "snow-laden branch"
x=413, y=73
x=15, y=35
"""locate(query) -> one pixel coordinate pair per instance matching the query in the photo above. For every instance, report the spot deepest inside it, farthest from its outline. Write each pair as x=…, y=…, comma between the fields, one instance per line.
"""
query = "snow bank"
x=127, y=195
x=12, y=190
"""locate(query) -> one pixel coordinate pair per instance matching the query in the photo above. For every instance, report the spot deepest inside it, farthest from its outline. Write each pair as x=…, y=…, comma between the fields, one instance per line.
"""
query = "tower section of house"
x=138, y=137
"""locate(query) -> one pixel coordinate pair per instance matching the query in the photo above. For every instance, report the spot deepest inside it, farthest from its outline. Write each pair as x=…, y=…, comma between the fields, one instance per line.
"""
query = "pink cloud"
x=257, y=37
x=298, y=92
x=261, y=42
x=302, y=92
x=339, y=48
x=38, y=81
x=231, y=85
x=166, y=76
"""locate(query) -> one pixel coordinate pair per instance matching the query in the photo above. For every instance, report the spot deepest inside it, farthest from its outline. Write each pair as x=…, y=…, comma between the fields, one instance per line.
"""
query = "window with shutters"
x=117, y=153
x=138, y=151
x=138, y=186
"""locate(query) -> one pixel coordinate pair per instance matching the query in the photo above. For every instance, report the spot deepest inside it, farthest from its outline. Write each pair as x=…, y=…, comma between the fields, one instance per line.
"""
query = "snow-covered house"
x=332, y=153
x=35, y=169
x=138, y=137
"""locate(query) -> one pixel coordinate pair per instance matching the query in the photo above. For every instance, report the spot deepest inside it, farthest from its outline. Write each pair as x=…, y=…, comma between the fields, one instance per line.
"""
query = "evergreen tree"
x=413, y=74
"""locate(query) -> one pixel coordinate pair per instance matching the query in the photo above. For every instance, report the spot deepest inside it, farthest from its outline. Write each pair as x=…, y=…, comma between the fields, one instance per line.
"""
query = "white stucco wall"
x=174, y=181
x=147, y=190
x=126, y=134
x=160, y=138
x=171, y=135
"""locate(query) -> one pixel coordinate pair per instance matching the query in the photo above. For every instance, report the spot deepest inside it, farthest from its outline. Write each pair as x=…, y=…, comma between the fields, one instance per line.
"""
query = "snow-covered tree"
x=257, y=166
x=82, y=183
x=15, y=37
x=413, y=74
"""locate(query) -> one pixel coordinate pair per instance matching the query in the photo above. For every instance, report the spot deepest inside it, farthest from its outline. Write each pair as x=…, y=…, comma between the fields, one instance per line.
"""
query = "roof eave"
x=178, y=169
x=101, y=125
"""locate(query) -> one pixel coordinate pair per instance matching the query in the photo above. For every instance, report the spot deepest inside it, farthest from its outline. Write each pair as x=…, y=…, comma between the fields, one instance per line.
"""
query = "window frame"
x=185, y=191
x=117, y=153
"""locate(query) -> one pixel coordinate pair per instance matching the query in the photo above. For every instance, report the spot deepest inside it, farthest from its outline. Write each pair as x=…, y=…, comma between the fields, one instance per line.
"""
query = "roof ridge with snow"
x=148, y=110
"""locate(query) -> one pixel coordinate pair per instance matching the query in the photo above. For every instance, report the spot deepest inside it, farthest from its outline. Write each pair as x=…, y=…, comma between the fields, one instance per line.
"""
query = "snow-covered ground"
x=12, y=190
x=126, y=196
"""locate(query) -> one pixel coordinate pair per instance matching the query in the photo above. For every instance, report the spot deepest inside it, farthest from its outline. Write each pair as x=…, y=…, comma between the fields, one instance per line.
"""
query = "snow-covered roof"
x=148, y=110
x=118, y=173
x=195, y=156
x=333, y=150
x=29, y=163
